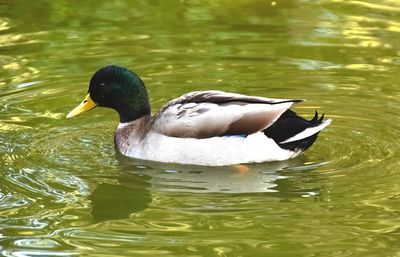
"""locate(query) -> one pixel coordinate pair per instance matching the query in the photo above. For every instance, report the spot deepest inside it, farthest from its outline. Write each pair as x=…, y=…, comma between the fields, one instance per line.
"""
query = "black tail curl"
x=290, y=124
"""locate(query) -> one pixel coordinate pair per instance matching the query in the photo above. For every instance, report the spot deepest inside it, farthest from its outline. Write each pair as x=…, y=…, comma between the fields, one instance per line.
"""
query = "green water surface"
x=65, y=191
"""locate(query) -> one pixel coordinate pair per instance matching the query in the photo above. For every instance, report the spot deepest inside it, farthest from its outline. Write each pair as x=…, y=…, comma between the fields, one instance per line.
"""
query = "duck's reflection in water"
x=132, y=191
x=120, y=200
x=254, y=178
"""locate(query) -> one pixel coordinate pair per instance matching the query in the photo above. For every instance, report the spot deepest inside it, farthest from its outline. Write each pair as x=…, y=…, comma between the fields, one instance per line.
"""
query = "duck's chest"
x=128, y=138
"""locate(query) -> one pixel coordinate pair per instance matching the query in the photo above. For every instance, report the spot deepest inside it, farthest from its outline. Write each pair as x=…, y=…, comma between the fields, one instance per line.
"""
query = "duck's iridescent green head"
x=117, y=88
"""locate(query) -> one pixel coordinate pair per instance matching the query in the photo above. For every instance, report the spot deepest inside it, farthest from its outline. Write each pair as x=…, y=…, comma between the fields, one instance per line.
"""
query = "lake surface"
x=64, y=191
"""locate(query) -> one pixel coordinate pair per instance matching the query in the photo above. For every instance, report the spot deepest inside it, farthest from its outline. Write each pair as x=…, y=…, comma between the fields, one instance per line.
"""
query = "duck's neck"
x=135, y=109
x=131, y=115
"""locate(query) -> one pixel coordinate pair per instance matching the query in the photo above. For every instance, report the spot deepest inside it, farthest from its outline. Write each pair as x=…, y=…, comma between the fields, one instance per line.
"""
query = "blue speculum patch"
x=239, y=135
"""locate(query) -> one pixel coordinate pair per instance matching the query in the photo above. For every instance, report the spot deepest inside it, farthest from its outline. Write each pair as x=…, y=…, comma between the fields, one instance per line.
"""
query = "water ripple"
x=65, y=191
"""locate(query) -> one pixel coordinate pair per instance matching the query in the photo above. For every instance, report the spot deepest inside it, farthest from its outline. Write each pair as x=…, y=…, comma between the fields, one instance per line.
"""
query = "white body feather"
x=215, y=151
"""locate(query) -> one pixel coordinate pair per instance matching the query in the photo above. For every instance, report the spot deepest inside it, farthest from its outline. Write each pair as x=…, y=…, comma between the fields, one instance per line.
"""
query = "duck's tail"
x=294, y=133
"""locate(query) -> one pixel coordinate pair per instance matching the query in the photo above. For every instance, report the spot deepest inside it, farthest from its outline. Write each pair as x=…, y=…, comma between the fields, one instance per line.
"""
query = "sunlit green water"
x=64, y=191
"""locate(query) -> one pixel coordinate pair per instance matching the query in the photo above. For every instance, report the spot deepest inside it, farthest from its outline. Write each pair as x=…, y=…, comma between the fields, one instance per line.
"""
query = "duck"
x=208, y=128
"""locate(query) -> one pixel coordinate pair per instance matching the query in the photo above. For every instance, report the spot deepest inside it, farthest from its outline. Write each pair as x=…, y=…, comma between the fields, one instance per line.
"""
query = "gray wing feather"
x=220, y=97
x=205, y=114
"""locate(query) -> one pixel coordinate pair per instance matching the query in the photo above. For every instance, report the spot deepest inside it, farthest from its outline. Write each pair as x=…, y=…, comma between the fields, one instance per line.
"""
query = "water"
x=64, y=191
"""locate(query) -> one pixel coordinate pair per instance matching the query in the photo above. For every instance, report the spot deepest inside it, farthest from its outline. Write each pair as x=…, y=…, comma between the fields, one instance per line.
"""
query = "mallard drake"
x=212, y=128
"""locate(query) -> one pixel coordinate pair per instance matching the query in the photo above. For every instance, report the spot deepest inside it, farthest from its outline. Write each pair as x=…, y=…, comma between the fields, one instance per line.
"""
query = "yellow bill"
x=85, y=106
